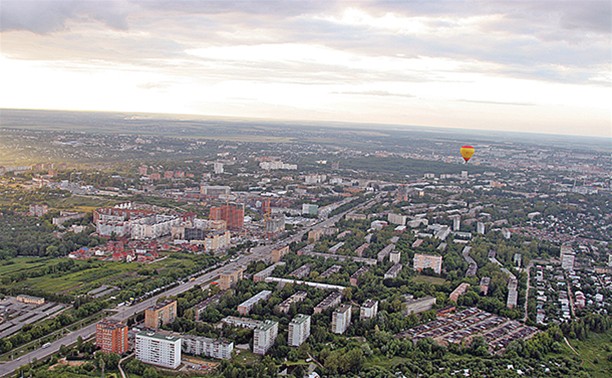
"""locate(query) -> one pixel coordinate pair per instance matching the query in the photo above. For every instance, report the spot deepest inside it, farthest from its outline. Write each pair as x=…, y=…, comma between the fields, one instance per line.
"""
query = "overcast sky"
x=540, y=66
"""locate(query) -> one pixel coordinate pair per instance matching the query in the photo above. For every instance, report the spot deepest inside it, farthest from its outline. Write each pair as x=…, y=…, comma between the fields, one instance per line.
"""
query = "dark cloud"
x=46, y=16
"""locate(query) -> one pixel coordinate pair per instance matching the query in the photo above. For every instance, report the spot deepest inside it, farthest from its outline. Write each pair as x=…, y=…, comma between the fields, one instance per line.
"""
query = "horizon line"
x=390, y=126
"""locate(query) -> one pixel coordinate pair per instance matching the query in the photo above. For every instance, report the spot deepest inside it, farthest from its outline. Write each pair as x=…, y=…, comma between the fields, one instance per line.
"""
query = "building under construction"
x=232, y=214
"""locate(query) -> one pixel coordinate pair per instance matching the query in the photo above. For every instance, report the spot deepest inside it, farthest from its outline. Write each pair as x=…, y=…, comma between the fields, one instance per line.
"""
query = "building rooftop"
x=159, y=336
x=267, y=325
x=343, y=308
x=300, y=318
x=159, y=305
x=256, y=298
x=111, y=323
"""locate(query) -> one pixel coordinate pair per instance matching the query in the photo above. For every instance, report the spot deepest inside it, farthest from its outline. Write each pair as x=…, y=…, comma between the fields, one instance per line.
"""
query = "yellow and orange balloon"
x=467, y=152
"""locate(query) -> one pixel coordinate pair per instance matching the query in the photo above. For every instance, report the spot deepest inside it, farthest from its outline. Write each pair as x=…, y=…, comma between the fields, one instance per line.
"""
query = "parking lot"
x=464, y=325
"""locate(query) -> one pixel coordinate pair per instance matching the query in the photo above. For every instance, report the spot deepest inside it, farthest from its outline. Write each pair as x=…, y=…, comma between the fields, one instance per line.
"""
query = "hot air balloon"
x=467, y=152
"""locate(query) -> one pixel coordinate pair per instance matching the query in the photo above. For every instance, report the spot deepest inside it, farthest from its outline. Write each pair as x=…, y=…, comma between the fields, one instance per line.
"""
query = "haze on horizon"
x=528, y=66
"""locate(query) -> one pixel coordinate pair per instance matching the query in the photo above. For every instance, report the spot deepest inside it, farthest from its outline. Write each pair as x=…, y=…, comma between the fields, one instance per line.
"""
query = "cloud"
x=497, y=102
x=374, y=93
x=45, y=16
x=343, y=56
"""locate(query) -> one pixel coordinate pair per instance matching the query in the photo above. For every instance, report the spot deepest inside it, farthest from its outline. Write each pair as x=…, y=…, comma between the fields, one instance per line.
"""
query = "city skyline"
x=526, y=66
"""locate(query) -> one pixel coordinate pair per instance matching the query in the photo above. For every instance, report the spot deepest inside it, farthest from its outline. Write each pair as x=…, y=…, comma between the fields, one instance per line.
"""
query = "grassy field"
x=99, y=273
x=19, y=264
x=594, y=352
x=81, y=281
x=429, y=279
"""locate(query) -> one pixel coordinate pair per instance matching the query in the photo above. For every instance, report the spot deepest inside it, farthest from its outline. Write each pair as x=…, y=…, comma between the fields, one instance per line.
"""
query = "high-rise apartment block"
x=264, y=336
x=341, y=319
x=160, y=314
x=567, y=257
x=112, y=336
x=299, y=330
x=232, y=213
x=158, y=349
x=368, y=310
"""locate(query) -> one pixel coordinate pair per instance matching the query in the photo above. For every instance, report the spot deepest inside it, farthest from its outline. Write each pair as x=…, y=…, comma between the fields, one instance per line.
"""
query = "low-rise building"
x=484, y=285
x=331, y=301
x=235, y=321
x=204, y=346
x=396, y=219
x=459, y=291
x=262, y=275
x=28, y=299
x=393, y=271
x=301, y=272
x=422, y=261
x=358, y=274
x=285, y=305
x=415, y=306
x=245, y=307
x=385, y=252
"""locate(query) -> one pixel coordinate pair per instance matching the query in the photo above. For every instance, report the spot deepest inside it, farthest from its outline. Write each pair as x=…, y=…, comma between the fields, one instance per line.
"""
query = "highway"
x=125, y=312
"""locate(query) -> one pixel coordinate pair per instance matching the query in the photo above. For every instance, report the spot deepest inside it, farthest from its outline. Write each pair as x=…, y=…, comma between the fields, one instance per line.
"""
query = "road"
x=125, y=312
x=529, y=267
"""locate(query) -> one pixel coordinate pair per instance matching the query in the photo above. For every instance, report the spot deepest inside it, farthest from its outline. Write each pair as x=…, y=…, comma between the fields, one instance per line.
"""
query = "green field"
x=595, y=352
x=96, y=274
x=20, y=264
x=429, y=279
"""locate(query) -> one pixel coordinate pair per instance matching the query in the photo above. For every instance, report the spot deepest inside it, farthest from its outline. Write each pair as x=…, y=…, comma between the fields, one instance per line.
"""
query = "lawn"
x=594, y=352
x=428, y=279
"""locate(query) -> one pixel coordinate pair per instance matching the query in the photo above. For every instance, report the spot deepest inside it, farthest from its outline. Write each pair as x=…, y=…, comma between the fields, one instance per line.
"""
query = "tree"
x=150, y=373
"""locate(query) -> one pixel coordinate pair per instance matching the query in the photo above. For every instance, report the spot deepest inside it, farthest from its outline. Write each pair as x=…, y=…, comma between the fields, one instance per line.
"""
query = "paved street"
x=123, y=313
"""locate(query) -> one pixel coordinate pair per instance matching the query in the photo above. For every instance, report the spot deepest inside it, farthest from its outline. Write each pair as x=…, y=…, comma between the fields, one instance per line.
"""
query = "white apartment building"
x=368, y=310
x=299, y=330
x=158, y=349
x=567, y=257
x=214, y=348
x=264, y=336
x=341, y=319
x=396, y=219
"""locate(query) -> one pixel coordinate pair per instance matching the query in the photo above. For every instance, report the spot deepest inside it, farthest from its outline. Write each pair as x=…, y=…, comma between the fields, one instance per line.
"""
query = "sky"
x=532, y=66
